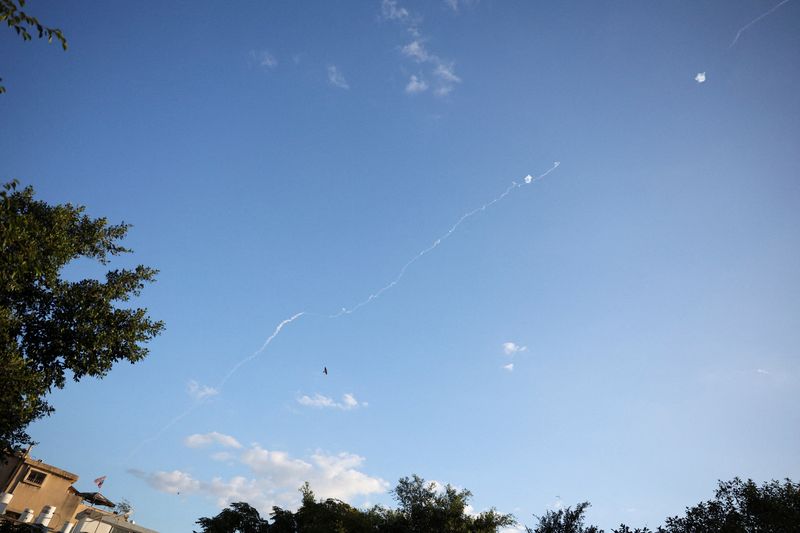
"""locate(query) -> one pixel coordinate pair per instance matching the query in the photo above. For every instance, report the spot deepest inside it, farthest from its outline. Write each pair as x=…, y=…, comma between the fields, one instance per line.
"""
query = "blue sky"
x=286, y=157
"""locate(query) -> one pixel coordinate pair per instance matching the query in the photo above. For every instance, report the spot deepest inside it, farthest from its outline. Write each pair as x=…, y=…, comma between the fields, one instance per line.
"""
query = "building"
x=36, y=492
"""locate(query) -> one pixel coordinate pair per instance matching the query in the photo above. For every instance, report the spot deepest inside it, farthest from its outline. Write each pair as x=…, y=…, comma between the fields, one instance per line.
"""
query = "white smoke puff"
x=528, y=178
x=700, y=78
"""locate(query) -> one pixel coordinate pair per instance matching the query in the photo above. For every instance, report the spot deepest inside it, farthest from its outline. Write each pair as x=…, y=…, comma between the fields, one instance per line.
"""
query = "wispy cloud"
x=700, y=78
x=391, y=11
x=441, y=72
x=336, y=78
x=456, y=5
x=201, y=440
x=416, y=85
x=416, y=51
x=510, y=348
x=509, y=367
x=200, y=392
x=320, y=401
x=273, y=477
x=762, y=371
x=747, y=26
x=264, y=58
x=222, y=456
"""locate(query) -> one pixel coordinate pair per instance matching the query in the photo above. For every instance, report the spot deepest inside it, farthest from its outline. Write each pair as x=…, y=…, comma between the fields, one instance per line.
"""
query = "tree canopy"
x=52, y=329
x=738, y=507
x=422, y=507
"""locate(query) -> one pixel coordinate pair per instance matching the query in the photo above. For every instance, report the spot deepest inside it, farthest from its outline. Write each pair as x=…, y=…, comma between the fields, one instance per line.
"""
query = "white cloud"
x=264, y=58
x=700, y=78
x=447, y=78
x=528, y=178
x=391, y=11
x=446, y=73
x=510, y=348
x=762, y=371
x=443, y=72
x=273, y=477
x=169, y=482
x=201, y=440
x=222, y=456
x=320, y=401
x=416, y=51
x=200, y=392
x=513, y=529
x=509, y=367
x=336, y=78
x=416, y=85
x=455, y=5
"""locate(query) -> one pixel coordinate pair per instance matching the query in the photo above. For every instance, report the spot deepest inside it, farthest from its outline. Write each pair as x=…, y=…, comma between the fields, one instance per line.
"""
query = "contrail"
x=528, y=179
x=219, y=386
x=255, y=354
x=514, y=185
x=746, y=26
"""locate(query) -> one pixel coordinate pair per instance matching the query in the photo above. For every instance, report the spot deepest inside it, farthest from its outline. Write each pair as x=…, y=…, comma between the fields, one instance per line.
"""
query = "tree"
x=422, y=508
x=566, y=520
x=238, y=518
x=16, y=19
x=743, y=507
x=52, y=328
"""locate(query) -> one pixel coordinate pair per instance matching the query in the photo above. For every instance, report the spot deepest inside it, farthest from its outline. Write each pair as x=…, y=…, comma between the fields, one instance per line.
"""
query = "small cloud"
x=700, y=78
x=762, y=371
x=200, y=392
x=509, y=367
x=336, y=78
x=263, y=58
x=528, y=178
x=446, y=73
x=416, y=85
x=416, y=51
x=201, y=440
x=391, y=11
x=170, y=482
x=447, y=78
x=319, y=401
x=510, y=348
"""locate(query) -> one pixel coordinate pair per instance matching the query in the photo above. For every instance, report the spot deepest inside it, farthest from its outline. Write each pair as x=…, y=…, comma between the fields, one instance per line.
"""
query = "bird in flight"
x=325, y=370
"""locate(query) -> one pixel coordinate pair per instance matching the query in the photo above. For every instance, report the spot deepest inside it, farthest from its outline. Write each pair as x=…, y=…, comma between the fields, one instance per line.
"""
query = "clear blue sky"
x=278, y=157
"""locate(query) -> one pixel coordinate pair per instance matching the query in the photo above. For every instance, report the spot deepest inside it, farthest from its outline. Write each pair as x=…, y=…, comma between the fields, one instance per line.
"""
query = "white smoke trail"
x=746, y=26
x=514, y=185
x=255, y=354
x=219, y=386
x=528, y=179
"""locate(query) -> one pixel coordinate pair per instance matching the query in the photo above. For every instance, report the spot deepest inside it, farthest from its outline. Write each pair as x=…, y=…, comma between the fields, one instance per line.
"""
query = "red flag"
x=99, y=482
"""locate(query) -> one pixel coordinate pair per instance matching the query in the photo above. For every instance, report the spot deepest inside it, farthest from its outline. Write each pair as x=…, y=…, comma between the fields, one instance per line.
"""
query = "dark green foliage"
x=23, y=24
x=238, y=518
x=421, y=509
x=566, y=520
x=50, y=328
x=738, y=507
x=743, y=507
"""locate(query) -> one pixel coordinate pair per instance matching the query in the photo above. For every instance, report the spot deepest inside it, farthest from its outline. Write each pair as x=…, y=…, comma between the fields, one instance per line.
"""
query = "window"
x=35, y=477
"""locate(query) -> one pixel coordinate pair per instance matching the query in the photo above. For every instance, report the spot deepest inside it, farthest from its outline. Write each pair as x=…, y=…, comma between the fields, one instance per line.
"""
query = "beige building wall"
x=35, y=484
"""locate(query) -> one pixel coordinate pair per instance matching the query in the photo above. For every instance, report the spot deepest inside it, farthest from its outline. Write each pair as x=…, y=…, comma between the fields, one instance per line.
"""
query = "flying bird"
x=325, y=370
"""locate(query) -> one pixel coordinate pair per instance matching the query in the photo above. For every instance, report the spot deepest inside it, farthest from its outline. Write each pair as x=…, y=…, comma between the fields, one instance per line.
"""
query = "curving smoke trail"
x=746, y=26
x=528, y=179
x=235, y=368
